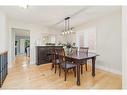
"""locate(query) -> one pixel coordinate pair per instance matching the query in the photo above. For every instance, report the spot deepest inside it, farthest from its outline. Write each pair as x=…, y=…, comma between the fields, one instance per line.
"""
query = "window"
x=87, y=38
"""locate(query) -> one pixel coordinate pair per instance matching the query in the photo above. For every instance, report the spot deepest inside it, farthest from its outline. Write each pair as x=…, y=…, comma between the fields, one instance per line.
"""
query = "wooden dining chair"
x=84, y=50
x=55, y=60
x=74, y=49
x=65, y=65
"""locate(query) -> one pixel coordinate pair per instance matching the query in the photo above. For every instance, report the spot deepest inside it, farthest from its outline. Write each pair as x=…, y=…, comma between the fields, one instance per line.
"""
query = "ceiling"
x=21, y=32
x=50, y=15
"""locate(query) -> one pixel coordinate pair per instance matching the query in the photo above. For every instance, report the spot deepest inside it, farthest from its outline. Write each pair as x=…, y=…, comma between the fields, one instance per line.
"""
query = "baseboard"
x=32, y=62
x=108, y=69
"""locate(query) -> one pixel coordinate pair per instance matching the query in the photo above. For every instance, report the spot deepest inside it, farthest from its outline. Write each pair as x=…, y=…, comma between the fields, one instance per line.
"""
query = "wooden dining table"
x=78, y=58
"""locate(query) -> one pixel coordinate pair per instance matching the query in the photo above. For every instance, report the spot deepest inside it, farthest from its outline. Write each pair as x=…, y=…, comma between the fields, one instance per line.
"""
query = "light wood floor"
x=22, y=75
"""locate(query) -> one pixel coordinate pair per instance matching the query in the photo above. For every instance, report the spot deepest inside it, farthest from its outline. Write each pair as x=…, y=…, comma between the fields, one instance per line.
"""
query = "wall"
x=3, y=33
x=108, y=41
x=124, y=47
x=36, y=33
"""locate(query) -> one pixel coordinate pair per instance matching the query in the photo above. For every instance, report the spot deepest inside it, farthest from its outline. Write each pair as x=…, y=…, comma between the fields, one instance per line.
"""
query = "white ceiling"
x=50, y=15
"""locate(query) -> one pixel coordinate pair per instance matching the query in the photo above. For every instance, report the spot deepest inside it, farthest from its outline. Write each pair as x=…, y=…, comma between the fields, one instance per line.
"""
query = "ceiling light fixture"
x=67, y=29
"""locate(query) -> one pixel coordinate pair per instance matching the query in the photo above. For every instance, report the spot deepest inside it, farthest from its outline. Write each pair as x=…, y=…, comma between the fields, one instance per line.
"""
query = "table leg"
x=52, y=66
x=93, y=66
x=78, y=73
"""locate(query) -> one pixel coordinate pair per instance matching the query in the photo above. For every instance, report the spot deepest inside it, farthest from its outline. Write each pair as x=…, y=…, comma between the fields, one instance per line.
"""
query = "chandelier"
x=67, y=29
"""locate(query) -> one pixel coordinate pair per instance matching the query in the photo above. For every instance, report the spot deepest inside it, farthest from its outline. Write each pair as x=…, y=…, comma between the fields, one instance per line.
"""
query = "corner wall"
x=3, y=33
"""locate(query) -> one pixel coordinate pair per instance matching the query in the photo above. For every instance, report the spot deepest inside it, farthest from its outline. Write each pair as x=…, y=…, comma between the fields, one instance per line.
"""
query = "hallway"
x=23, y=75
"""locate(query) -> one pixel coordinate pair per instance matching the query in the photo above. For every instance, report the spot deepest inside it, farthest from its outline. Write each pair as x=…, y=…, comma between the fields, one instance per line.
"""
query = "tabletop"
x=81, y=55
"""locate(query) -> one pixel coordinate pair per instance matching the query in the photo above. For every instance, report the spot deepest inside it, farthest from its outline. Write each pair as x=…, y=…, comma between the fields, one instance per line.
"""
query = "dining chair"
x=65, y=65
x=55, y=60
x=84, y=50
x=74, y=49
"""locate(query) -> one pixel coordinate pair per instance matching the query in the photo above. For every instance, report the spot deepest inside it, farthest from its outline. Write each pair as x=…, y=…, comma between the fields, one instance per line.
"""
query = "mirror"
x=49, y=39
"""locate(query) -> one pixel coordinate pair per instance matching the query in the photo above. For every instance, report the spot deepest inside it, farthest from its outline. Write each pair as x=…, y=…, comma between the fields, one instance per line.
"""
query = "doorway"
x=22, y=42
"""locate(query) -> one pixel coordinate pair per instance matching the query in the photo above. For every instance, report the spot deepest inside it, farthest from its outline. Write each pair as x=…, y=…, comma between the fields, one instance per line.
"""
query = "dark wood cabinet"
x=43, y=54
x=3, y=67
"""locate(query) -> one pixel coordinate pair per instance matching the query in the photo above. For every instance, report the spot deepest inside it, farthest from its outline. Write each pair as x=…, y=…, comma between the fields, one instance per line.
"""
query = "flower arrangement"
x=67, y=45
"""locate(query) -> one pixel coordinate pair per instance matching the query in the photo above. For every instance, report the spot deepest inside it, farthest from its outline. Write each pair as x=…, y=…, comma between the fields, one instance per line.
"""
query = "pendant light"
x=67, y=29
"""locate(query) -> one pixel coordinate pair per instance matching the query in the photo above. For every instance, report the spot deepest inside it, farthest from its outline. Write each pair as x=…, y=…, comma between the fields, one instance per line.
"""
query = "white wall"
x=124, y=47
x=108, y=41
x=3, y=33
x=36, y=33
x=11, y=46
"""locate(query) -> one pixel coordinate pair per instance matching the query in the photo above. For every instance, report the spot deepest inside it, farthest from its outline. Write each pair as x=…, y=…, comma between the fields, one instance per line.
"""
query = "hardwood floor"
x=22, y=75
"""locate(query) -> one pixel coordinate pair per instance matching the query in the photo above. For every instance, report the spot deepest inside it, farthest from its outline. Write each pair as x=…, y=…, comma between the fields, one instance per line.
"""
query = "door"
x=22, y=46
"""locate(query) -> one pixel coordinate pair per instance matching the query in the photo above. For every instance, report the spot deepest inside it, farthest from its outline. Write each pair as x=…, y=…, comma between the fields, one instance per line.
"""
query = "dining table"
x=78, y=58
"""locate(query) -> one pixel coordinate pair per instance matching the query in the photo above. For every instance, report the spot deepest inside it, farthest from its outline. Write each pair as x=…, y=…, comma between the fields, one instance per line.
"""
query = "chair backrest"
x=74, y=49
x=61, y=54
x=84, y=49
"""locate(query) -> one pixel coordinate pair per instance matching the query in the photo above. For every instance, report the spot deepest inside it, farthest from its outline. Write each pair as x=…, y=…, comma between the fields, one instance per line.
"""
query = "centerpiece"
x=68, y=47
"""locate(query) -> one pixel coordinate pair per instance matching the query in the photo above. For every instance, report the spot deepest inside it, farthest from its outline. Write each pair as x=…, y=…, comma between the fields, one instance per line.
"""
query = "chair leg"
x=65, y=75
x=55, y=68
x=81, y=69
x=59, y=70
x=52, y=66
x=75, y=72
x=86, y=66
